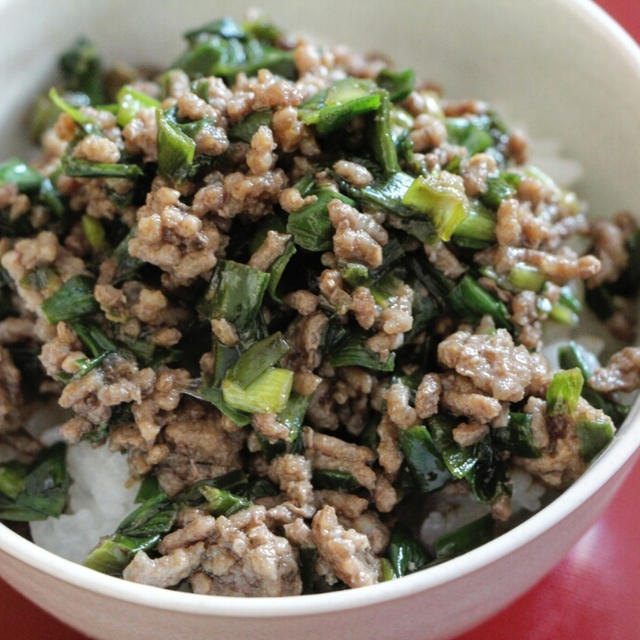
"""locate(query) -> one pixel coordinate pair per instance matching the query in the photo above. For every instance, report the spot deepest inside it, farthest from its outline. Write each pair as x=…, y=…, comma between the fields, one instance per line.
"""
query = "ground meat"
x=622, y=372
x=304, y=336
x=353, y=172
x=518, y=226
x=291, y=200
x=346, y=504
x=115, y=381
x=247, y=559
x=428, y=395
x=610, y=247
x=384, y=495
x=251, y=194
x=389, y=455
x=198, y=528
x=558, y=268
x=561, y=461
x=364, y=308
x=43, y=258
x=272, y=247
x=200, y=447
x=358, y=237
x=211, y=140
x=427, y=132
x=302, y=300
x=398, y=408
x=14, y=330
x=397, y=317
x=141, y=135
x=167, y=570
x=173, y=239
x=97, y=149
x=292, y=473
x=493, y=362
x=288, y=130
x=327, y=452
x=476, y=171
x=347, y=551
x=260, y=157
x=462, y=398
x=62, y=352
x=467, y=434
x=225, y=332
x=10, y=395
x=151, y=413
x=267, y=424
x=370, y=525
x=444, y=260
x=331, y=287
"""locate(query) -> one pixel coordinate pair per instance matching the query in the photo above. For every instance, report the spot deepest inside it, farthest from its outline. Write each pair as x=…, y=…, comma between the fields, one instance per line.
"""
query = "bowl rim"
x=610, y=463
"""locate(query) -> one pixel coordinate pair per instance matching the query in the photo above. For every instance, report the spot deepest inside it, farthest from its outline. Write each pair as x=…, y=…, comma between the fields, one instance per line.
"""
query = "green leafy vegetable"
x=310, y=226
x=334, y=480
x=244, y=130
x=594, y=436
x=399, y=84
x=36, y=494
x=16, y=171
x=517, y=436
x=259, y=357
x=353, y=352
x=331, y=109
x=423, y=458
x=176, y=149
x=564, y=392
x=268, y=393
x=82, y=71
x=80, y=168
x=72, y=300
x=130, y=101
x=384, y=149
x=465, y=538
x=223, y=503
x=406, y=554
x=442, y=198
x=235, y=294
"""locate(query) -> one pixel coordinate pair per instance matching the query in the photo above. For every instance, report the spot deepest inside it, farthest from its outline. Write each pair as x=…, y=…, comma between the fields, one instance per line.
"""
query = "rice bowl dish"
x=346, y=486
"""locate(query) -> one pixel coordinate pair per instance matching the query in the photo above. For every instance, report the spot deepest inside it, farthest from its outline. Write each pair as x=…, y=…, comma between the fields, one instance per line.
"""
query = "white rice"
x=98, y=501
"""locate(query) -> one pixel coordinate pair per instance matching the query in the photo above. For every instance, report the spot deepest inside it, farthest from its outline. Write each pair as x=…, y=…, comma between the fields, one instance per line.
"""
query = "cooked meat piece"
x=348, y=552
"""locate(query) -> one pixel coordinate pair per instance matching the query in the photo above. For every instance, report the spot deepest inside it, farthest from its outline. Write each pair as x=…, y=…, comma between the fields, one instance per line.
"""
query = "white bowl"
x=561, y=68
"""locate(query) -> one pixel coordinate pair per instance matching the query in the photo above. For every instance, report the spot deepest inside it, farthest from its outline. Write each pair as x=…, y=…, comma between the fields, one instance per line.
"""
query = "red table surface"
x=592, y=594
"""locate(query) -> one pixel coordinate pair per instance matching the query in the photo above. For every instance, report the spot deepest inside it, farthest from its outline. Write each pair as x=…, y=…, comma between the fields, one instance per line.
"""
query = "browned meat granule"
x=170, y=237
x=358, y=237
x=561, y=462
x=622, y=372
x=141, y=135
x=494, y=364
x=462, y=398
x=444, y=260
x=117, y=380
x=269, y=251
x=347, y=551
x=244, y=558
x=427, y=395
x=44, y=252
x=610, y=247
x=10, y=394
x=398, y=408
x=165, y=571
x=199, y=446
